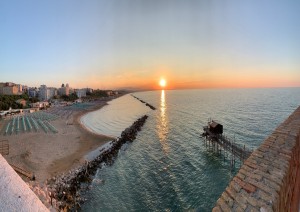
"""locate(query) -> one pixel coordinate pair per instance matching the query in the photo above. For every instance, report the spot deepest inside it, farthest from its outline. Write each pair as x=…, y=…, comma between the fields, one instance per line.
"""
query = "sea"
x=168, y=167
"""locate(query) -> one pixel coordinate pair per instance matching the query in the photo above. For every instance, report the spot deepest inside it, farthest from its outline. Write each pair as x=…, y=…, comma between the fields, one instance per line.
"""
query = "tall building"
x=32, y=92
x=52, y=92
x=44, y=93
x=10, y=90
x=64, y=90
x=20, y=88
x=67, y=89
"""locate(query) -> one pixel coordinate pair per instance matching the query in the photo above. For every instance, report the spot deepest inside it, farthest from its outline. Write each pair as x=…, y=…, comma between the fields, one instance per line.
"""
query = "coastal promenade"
x=269, y=179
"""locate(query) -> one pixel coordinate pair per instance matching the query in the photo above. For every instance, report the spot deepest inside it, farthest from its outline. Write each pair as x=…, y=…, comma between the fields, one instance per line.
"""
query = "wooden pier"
x=4, y=147
x=213, y=134
x=4, y=150
x=23, y=172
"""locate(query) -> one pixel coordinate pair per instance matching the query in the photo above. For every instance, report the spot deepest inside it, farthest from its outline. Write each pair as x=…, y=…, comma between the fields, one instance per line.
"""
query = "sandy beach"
x=48, y=154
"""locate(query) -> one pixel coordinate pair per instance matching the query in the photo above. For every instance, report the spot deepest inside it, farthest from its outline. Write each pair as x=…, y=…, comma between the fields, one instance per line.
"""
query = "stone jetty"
x=65, y=189
x=142, y=101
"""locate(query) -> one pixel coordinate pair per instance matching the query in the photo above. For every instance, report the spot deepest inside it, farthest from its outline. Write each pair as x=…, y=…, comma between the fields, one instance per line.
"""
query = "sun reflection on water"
x=162, y=125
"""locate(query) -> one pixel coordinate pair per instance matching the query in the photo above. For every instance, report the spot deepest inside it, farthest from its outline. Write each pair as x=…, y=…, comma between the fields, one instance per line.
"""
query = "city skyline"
x=133, y=44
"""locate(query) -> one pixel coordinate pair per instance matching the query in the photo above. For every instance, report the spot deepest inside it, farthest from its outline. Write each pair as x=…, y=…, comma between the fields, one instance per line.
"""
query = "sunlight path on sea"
x=162, y=124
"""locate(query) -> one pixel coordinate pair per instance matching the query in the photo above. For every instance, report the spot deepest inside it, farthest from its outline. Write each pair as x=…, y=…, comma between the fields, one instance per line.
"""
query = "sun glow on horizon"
x=162, y=83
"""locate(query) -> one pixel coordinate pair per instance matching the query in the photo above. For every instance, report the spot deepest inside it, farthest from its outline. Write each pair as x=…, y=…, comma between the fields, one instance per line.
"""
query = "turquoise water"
x=168, y=168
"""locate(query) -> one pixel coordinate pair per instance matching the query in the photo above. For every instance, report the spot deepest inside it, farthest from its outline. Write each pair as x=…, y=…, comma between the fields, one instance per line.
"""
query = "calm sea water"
x=113, y=118
x=168, y=168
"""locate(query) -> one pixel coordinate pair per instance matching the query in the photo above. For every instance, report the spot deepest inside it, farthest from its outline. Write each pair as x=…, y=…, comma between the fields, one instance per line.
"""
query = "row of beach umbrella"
x=30, y=123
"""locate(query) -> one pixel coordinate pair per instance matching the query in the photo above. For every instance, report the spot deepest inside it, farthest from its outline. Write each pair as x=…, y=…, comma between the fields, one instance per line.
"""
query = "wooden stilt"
x=216, y=142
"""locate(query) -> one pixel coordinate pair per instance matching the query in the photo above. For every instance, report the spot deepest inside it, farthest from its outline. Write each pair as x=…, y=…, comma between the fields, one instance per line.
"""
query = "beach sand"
x=48, y=154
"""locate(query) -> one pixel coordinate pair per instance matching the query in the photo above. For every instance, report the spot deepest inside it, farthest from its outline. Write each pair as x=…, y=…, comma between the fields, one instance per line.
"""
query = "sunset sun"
x=162, y=82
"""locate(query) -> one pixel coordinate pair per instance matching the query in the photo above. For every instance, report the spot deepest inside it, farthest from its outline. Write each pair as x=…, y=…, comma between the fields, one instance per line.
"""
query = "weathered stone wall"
x=15, y=195
x=269, y=178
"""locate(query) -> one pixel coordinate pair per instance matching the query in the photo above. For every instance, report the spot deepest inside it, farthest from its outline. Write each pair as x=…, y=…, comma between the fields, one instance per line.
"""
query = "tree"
x=71, y=97
x=10, y=101
x=88, y=93
x=33, y=99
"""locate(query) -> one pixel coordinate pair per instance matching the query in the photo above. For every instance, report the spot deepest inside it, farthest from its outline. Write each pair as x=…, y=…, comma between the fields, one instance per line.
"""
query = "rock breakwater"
x=142, y=101
x=65, y=189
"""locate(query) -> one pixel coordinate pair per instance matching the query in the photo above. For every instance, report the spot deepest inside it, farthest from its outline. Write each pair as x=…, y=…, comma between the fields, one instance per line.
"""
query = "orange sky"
x=192, y=80
x=110, y=45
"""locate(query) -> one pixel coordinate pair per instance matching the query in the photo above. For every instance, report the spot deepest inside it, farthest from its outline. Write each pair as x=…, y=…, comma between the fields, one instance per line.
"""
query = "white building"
x=44, y=93
x=52, y=92
x=39, y=104
x=81, y=92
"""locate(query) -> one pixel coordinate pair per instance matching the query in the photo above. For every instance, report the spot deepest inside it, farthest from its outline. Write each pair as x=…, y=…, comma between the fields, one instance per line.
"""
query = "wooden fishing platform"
x=23, y=172
x=213, y=134
x=4, y=147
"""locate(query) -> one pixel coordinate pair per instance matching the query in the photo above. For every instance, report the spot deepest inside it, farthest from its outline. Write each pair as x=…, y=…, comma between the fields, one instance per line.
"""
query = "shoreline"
x=62, y=161
x=78, y=121
x=65, y=189
x=89, y=145
x=86, y=147
x=48, y=155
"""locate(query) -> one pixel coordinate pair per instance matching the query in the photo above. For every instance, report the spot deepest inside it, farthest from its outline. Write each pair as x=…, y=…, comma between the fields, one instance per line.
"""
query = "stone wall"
x=15, y=195
x=269, y=178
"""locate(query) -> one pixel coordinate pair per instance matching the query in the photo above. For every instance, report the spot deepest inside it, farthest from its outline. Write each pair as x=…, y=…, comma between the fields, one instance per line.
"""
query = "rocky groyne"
x=269, y=179
x=142, y=101
x=64, y=190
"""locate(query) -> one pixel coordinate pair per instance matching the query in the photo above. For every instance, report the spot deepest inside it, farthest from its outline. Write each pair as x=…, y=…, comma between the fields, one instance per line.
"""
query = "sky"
x=112, y=44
